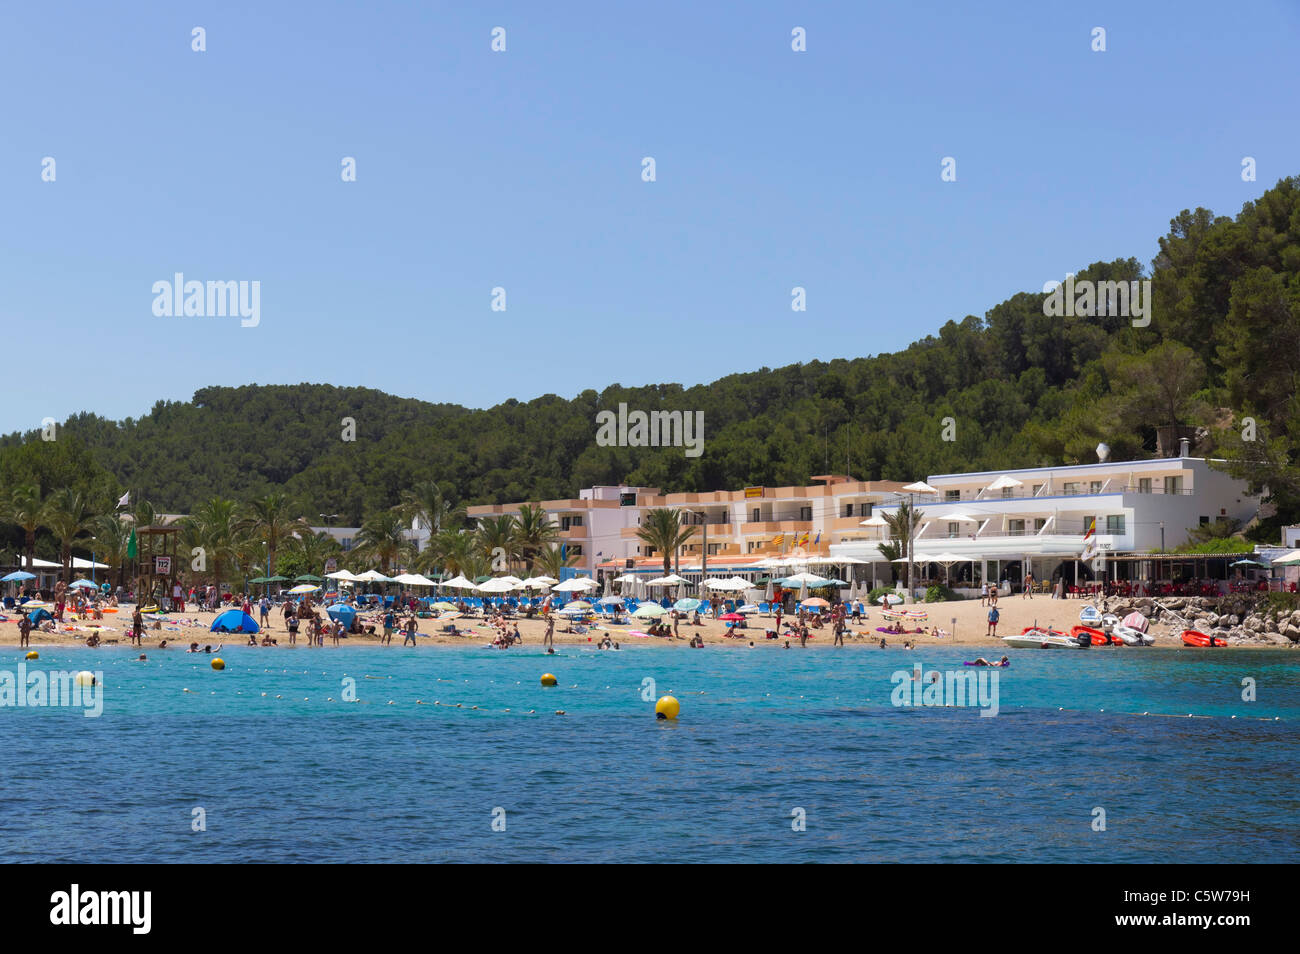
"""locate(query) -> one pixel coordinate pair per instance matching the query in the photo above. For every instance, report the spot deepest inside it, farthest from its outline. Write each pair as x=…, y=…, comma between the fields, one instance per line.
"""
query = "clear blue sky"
x=523, y=169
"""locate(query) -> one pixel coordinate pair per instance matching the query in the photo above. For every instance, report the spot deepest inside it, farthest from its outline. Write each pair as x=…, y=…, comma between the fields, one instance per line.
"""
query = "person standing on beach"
x=410, y=631
x=264, y=610
x=292, y=624
x=994, y=616
x=390, y=623
x=839, y=632
x=137, y=626
x=1028, y=593
x=549, y=639
x=24, y=631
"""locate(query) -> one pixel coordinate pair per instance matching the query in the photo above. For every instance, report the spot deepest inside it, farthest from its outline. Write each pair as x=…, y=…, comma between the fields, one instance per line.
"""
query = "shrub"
x=939, y=594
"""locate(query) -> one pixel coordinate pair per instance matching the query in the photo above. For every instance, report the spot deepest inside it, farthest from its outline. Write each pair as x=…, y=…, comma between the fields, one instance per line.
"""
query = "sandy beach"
x=969, y=629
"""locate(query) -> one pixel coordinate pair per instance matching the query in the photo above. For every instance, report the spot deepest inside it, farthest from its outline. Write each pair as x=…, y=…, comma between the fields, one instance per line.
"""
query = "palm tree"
x=269, y=518
x=26, y=508
x=214, y=525
x=549, y=560
x=111, y=535
x=498, y=538
x=902, y=525
x=662, y=530
x=449, y=550
x=534, y=530
x=891, y=551
x=382, y=538
x=70, y=514
x=426, y=502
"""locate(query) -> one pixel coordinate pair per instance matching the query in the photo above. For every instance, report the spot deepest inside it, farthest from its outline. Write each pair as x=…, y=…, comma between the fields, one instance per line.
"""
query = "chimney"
x=1184, y=447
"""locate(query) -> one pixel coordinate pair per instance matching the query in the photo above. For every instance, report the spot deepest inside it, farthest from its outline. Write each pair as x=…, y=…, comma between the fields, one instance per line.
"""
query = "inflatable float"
x=1192, y=637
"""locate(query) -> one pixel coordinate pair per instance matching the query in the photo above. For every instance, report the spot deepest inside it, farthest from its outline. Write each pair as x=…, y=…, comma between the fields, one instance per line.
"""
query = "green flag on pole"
x=130, y=546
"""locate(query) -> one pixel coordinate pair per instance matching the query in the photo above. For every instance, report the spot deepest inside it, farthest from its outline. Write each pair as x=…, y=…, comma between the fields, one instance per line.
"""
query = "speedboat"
x=1036, y=638
x=1097, y=637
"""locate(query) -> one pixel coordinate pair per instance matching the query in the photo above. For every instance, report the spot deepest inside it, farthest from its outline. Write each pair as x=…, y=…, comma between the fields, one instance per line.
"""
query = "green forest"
x=1221, y=352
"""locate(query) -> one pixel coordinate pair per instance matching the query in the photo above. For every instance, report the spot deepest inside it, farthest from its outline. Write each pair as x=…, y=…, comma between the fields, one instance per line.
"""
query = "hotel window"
x=952, y=495
x=1205, y=521
x=1037, y=488
x=1006, y=491
x=756, y=515
x=1069, y=488
x=1039, y=523
x=1094, y=487
x=805, y=513
x=848, y=510
x=1144, y=485
x=1016, y=528
x=714, y=548
x=1173, y=485
x=954, y=529
x=1115, y=524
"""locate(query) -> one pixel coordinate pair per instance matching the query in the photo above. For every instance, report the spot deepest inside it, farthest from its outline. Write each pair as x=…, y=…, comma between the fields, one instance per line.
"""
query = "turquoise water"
x=284, y=774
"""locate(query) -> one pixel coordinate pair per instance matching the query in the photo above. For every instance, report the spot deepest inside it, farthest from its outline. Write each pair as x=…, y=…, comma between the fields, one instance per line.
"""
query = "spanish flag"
x=803, y=541
x=1092, y=528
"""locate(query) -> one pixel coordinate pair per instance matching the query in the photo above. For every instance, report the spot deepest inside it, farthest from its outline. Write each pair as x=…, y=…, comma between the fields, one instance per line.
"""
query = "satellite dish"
x=1103, y=452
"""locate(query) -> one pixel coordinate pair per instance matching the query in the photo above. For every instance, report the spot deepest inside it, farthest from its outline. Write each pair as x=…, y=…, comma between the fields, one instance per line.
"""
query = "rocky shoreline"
x=1241, y=620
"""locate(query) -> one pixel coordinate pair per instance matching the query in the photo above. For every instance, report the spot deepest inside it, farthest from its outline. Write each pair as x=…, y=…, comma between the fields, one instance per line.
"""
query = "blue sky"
x=522, y=169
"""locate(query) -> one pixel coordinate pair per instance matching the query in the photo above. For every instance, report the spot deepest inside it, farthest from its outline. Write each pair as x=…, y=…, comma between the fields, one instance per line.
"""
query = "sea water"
x=1107, y=755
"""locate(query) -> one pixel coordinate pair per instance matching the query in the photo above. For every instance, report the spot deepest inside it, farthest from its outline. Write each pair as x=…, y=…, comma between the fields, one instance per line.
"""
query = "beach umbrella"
x=626, y=578
x=345, y=575
x=500, y=585
x=459, y=583
x=670, y=580
x=740, y=583
x=686, y=604
x=611, y=601
x=731, y=618
x=649, y=610
x=1291, y=558
x=575, y=585
x=38, y=614
x=747, y=609
x=373, y=576
x=413, y=579
x=816, y=602
x=544, y=580
x=1237, y=563
x=716, y=583
x=892, y=598
x=920, y=487
x=234, y=621
x=443, y=606
x=302, y=589
x=342, y=613
x=1004, y=482
x=84, y=584
x=307, y=578
x=17, y=576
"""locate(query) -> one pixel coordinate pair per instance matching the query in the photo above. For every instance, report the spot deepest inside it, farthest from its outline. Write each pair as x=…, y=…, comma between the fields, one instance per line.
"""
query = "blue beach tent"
x=234, y=621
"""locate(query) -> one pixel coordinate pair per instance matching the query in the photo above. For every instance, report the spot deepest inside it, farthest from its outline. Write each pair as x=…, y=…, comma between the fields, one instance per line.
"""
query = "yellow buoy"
x=548, y=679
x=33, y=655
x=85, y=678
x=667, y=708
x=218, y=664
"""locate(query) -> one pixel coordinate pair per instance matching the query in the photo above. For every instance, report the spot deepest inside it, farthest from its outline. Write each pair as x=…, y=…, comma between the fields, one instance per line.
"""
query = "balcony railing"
x=984, y=495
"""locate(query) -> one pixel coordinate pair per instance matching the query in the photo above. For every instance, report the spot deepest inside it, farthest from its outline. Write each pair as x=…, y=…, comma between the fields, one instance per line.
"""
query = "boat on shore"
x=1193, y=637
x=1096, y=636
x=1034, y=637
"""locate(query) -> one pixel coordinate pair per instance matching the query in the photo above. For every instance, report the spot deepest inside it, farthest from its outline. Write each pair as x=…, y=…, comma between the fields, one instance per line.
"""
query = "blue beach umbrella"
x=686, y=604
x=342, y=613
x=85, y=584
x=234, y=621
x=17, y=576
x=37, y=615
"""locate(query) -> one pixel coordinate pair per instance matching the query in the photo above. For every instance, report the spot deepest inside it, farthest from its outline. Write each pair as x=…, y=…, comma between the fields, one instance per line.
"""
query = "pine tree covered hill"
x=1023, y=389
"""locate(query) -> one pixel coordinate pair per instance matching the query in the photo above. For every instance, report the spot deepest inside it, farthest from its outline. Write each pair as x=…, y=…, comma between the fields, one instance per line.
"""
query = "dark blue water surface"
x=286, y=771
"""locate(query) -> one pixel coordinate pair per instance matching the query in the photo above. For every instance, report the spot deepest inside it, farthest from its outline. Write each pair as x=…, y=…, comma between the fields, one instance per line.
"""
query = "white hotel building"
x=999, y=523
x=987, y=526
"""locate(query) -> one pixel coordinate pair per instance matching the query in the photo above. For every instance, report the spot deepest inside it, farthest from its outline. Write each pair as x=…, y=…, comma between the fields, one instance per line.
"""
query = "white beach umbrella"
x=740, y=583
x=626, y=578
x=670, y=580
x=373, y=576
x=459, y=583
x=921, y=487
x=500, y=584
x=1287, y=559
x=413, y=579
x=1005, y=482
x=716, y=583
x=301, y=590
x=575, y=585
x=345, y=575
